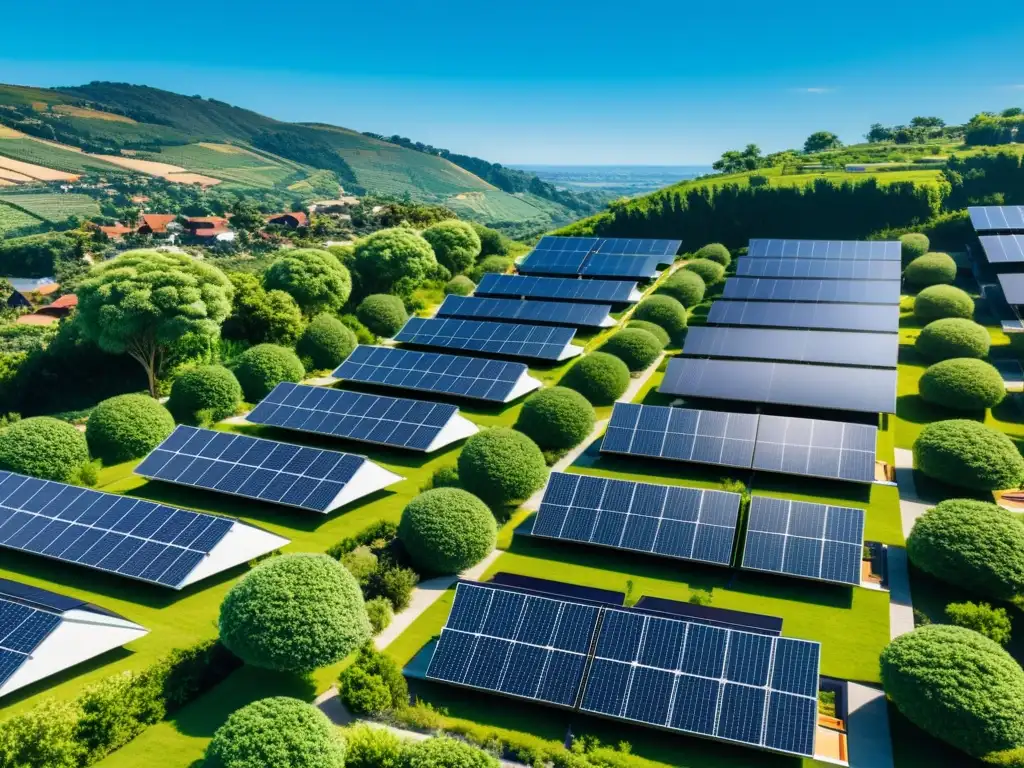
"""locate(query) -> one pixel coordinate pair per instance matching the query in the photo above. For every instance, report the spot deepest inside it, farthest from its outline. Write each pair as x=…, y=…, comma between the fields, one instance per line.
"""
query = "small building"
x=140, y=199
x=340, y=205
x=206, y=227
x=290, y=220
x=27, y=291
x=116, y=232
x=59, y=307
x=155, y=223
x=36, y=319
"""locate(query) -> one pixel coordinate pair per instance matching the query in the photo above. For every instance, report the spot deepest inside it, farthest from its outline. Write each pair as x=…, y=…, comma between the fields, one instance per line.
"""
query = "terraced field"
x=52, y=156
x=227, y=162
x=53, y=206
x=13, y=218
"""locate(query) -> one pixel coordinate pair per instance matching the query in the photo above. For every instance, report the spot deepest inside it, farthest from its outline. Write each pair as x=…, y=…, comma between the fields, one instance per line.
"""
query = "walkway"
x=870, y=744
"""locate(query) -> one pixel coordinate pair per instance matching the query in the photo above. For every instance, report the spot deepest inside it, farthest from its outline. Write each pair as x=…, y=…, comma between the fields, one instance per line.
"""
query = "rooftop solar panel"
x=815, y=448
x=832, y=250
x=997, y=218
x=877, y=350
x=865, y=390
x=505, y=339
x=470, y=377
x=266, y=470
x=391, y=421
x=1003, y=249
x=818, y=291
x=520, y=311
x=798, y=538
x=884, y=318
x=1013, y=287
x=670, y=521
x=818, y=269
x=558, y=288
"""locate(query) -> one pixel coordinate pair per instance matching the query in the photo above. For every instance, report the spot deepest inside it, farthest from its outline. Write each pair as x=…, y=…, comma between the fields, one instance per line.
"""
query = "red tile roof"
x=36, y=320
x=299, y=217
x=157, y=222
x=118, y=230
x=214, y=220
x=64, y=302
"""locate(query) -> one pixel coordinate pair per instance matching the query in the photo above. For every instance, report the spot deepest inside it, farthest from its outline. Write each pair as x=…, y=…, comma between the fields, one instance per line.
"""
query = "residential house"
x=51, y=313
x=206, y=226
x=289, y=220
x=155, y=223
x=117, y=231
x=27, y=291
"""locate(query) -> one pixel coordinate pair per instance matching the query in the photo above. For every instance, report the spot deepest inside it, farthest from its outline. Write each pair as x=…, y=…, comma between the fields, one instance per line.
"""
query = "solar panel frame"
x=555, y=288
x=526, y=311
x=1002, y=249
x=818, y=269
x=831, y=250
x=876, y=350
x=551, y=343
x=814, y=291
x=877, y=318
x=997, y=218
x=23, y=628
x=816, y=448
x=1013, y=287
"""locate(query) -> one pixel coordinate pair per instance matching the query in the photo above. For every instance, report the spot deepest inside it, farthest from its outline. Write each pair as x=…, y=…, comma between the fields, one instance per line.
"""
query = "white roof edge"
x=608, y=322
x=635, y=295
x=457, y=428
x=525, y=383
x=369, y=478
x=571, y=350
x=241, y=544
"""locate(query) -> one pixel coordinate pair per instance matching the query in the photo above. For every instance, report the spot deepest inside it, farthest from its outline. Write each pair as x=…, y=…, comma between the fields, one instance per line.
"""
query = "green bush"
x=556, y=418
x=685, y=286
x=380, y=614
x=633, y=346
x=280, y=732
x=962, y=383
x=116, y=710
x=957, y=686
x=393, y=261
x=496, y=264
x=444, y=477
x=383, y=314
x=664, y=311
x=913, y=245
x=210, y=389
x=655, y=330
x=456, y=244
x=446, y=752
x=930, y=269
x=127, y=427
x=715, y=252
x=314, y=278
x=460, y=285
x=971, y=544
x=599, y=377
x=392, y=582
x=938, y=301
x=710, y=272
x=43, y=447
x=43, y=737
x=294, y=613
x=968, y=455
x=369, y=747
x=363, y=334
x=492, y=242
x=952, y=337
x=261, y=368
x=259, y=316
x=326, y=342
x=373, y=684
x=446, y=530
x=501, y=465
x=993, y=623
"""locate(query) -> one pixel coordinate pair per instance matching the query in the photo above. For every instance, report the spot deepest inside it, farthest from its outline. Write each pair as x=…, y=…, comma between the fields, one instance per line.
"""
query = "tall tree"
x=878, y=132
x=821, y=141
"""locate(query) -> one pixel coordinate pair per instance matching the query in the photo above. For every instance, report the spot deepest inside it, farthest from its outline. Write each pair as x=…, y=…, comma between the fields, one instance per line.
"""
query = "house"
x=59, y=307
x=155, y=223
x=117, y=231
x=206, y=226
x=289, y=220
x=340, y=205
x=28, y=290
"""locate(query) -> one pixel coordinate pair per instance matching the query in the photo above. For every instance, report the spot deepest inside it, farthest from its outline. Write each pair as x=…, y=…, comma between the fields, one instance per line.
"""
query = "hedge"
x=456, y=244
x=446, y=752
x=652, y=328
x=447, y=530
x=326, y=342
x=993, y=623
x=373, y=684
x=958, y=686
x=383, y=314
x=599, y=377
x=556, y=418
x=686, y=286
x=501, y=465
x=664, y=311
x=314, y=278
x=460, y=285
x=635, y=347
x=294, y=613
x=127, y=427
x=912, y=245
x=43, y=447
x=261, y=368
x=206, y=393
x=710, y=272
x=371, y=747
x=967, y=454
x=962, y=383
x=939, y=301
x=714, y=252
x=952, y=337
x=930, y=269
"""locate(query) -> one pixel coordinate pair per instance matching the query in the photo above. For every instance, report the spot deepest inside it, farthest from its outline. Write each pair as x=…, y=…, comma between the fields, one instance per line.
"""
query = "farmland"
x=13, y=218
x=227, y=162
x=52, y=156
x=53, y=206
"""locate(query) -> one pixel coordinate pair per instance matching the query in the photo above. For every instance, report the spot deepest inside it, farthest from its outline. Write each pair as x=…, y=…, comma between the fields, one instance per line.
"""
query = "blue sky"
x=560, y=82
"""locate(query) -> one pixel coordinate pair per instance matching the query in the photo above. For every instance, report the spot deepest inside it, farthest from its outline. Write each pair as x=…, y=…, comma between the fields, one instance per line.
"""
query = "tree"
x=599, y=377
x=446, y=530
x=261, y=368
x=205, y=393
x=665, y=311
x=260, y=316
x=733, y=161
x=969, y=455
x=878, y=132
x=130, y=217
x=501, y=465
x=821, y=141
x=927, y=122
x=711, y=272
x=685, y=286
x=1012, y=112
x=143, y=302
x=127, y=427
x=714, y=252
x=637, y=348
x=326, y=342
x=382, y=313
x=993, y=623
x=456, y=244
x=246, y=217
x=446, y=752
x=556, y=418
x=392, y=261
x=43, y=447
x=314, y=278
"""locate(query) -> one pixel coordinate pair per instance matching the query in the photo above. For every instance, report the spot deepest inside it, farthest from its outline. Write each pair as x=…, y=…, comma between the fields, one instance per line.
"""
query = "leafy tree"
x=993, y=623
x=314, y=278
x=127, y=427
x=501, y=465
x=326, y=342
x=634, y=346
x=821, y=141
x=969, y=455
x=380, y=614
x=261, y=368
x=599, y=377
x=205, y=392
x=392, y=261
x=143, y=302
x=927, y=122
x=246, y=216
x=260, y=316
x=492, y=242
x=1012, y=112
x=456, y=244
x=747, y=159
x=43, y=447
x=383, y=314
x=556, y=418
x=962, y=383
x=460, y=285
x=878, y=132
x=446, y=530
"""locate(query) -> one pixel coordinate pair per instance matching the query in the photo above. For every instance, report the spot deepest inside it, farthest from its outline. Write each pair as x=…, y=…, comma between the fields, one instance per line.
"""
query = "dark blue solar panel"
x=997, y=218
x=599, y=257
x=875, y=350
x=612, y=265
x=815, y=291
x=839, y=317
x=832, y=250
x=522, y=311
x=818, y=269
x=22, y=629
x=557, y=288
x=505, y=339
x=632, y=246
x=816, y=448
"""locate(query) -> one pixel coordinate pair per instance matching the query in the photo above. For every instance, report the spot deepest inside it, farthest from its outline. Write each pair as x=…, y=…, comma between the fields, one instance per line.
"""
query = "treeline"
x=990, y=130
x=991, y=178
x=303, y=145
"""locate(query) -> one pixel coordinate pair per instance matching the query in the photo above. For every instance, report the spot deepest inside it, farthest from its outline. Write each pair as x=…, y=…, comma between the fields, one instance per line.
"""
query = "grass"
x=52, y=156
x=53, y=206
x=13, y=218
x=225, y=161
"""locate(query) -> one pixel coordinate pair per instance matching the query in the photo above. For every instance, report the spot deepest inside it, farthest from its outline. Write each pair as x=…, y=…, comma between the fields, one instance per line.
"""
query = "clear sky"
x=558, y=81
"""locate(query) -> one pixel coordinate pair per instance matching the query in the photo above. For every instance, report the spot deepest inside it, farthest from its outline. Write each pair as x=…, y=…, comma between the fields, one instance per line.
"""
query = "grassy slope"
x=13, y=218
x=53, y=156
x=52, y=206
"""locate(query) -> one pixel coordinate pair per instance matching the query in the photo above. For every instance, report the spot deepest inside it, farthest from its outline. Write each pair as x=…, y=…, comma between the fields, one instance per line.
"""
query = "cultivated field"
x=54, y=206
x=226, y=162
x=51, y=156
x=13, y=218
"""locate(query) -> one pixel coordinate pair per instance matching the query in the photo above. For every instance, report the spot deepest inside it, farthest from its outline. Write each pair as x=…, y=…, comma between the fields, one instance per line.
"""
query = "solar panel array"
x=840, y=317
x=559, y=255
x=22, y=629
x=520, y=311
x=1013, y=287
x=634, y=246
x=818, y=268
x=615, y=265
x=867, y=390
x=798, y=538
x=833, y=250
x=509, y=339
x=1003, y=249
x=471, y=377
x=816, y=448
x=736, y=686
x=877, y=350
x=599, y=257
x=252, y=467
x=833, y=291
x=120, y=534
x=683, y=523
x=565, y=289
x=396, y=422
x=996, y=218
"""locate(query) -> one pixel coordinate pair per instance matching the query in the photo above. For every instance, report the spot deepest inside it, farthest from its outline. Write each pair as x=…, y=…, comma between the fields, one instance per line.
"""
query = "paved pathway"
x=870, y=745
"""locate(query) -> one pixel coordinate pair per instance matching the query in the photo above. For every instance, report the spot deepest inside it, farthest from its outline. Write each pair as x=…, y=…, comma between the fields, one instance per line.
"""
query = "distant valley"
x=615, y=180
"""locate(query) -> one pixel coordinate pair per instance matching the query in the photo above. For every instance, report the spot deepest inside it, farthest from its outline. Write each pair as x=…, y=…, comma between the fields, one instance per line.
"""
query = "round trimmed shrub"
x=279, y=731
x=501, y=465
x=456, y=244
x=383, y=314
x=392, y=260
x=655, y=330
x=939, y=301
x=664, y=311
x=952, y=337
x=931, y=269
x=211, y=390
x=314, y=278
x=635, y=347
x=715, y=252
x=962, y=383
x=957, y=685
x=370, y=747
x=913, y=245
x=710, y=272
x=446, y=752
x=556, y=418
x=261, y=368
x=326, y=342
x=43, y=447
x=294, y=613
x=973, y=544
x=127, y=427
x=686, y=286
x=446, y=530
x=599, y=377
x=460, y=285
x=967, y=454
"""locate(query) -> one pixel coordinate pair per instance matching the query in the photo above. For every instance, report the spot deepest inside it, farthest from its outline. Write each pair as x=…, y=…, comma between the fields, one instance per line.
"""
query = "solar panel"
x=681, y=434
x=256, y=468
x=391, y=421
x=22, y=629
x=1013, y=287
x=1003, y=249
x=599, y=257
x=815, y=448
x=507, y=339
x=562, y=288
x=782, y=314
x=558, y=255
x=631, y=246
x=798, y=538
x=866, y=390
x=470, y=377
x=519, y=311
x=997, y=218
x=671, y=521
x=832, y=250
x=878, y=350
x=614, y=265
x=831, y=291
x=818, y=269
